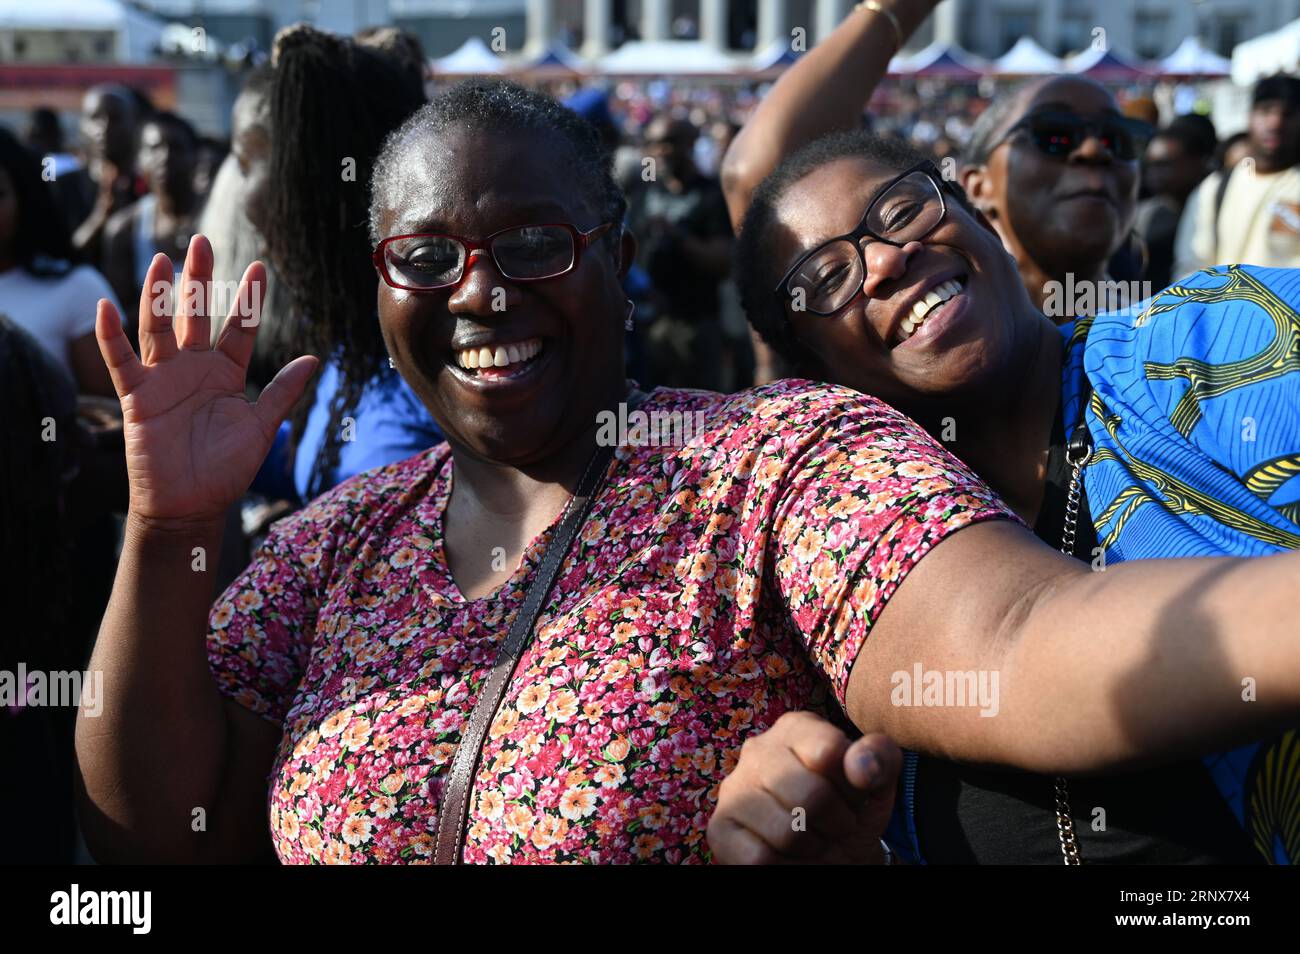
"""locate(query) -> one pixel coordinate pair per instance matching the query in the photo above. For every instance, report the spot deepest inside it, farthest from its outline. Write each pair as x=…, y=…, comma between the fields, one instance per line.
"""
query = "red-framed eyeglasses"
x=428, y=261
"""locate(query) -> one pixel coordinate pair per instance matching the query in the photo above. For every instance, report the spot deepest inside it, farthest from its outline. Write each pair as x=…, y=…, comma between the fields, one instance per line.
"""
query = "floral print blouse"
x=713, y=587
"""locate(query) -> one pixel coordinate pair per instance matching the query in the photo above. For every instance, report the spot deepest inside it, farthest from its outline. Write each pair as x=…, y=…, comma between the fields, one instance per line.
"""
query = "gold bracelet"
x=875, y=7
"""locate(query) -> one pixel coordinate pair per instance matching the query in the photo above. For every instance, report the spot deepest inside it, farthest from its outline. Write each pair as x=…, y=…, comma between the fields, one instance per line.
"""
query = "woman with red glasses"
x=540, y=642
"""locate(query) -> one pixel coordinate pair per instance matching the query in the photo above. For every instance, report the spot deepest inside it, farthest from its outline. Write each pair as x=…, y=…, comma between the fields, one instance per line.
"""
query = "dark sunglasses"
x=905, y=209
x=522, y=253
x=1059, y=134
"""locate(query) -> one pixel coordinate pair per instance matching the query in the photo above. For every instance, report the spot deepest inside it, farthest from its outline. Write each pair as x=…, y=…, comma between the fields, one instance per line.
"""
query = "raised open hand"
x=193, y=440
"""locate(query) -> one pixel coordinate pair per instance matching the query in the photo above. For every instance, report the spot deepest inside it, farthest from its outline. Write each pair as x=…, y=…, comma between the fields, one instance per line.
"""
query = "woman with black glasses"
x=860, y=263
x=1052, y=165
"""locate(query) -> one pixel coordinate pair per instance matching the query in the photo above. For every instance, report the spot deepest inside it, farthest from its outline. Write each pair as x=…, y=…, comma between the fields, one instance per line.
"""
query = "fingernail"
x=869, y=766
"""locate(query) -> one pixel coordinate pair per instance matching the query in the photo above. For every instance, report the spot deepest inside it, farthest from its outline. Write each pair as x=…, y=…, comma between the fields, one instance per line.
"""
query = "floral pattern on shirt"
x=713, y=587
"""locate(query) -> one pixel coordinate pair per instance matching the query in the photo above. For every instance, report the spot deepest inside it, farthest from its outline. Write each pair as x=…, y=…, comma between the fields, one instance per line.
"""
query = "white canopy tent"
x=775, y=55
x=1106, y=63
x=138, y=33
x=1027, y=58
x=941, y=60
x=660, y=57
x=471, y=58
x=556, y=58
x=898, y=63
x=1276, y=52
x=1193, y=59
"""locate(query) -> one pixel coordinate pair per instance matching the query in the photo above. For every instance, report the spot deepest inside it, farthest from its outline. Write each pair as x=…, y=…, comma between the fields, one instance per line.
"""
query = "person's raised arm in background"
x=825, y=91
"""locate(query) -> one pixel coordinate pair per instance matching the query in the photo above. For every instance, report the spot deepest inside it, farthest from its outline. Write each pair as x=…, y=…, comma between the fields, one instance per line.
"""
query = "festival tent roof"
x=556, y=58
x=471, y=58
x=1193, y=59
x=1027, y=58
x=139, y=31
x=1106, y=64
x=898, y=64
x=777, y=55
x=1276, y=52
x=940, y=60
x=661, y=57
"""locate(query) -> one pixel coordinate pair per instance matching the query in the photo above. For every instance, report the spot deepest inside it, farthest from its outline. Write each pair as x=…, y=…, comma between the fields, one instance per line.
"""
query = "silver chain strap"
x=1064, y=817
x=1065, y=825
x=1072, y=501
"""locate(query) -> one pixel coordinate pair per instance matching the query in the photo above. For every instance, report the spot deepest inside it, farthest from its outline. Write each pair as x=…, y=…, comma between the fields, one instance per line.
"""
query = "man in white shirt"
x=1253, y=216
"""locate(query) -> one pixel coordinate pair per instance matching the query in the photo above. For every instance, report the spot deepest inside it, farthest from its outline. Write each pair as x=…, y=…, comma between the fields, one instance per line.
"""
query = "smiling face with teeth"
x=513, y=372
x=938, y=318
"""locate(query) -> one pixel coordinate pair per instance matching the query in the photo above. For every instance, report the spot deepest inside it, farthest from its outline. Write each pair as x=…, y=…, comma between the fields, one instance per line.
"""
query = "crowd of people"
x=365, y=583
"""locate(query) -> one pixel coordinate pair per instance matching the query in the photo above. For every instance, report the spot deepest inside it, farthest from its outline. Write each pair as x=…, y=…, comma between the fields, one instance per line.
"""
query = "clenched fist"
x=802, y=793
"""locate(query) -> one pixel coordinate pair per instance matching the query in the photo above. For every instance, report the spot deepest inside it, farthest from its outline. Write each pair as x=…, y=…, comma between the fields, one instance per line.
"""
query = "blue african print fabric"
x=1195, y=420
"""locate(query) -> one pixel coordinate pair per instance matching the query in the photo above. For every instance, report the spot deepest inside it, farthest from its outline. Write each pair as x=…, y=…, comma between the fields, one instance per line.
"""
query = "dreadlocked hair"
x=757, y=272
x=496, y=106
x=332, y=103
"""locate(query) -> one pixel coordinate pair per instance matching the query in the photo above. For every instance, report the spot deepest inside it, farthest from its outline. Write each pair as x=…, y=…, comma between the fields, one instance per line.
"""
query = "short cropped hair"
x=756, y=271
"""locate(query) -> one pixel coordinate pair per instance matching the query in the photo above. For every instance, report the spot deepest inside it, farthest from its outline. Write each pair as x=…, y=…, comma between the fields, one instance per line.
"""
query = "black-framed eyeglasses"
x=427, y=261
x=906, y=209
x=1058, y=134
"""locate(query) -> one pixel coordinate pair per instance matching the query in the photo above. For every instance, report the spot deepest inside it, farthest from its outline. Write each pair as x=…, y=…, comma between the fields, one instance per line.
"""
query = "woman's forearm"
x=155, y=752
x=825, y=91
x=995, y=650
x=1157, y=659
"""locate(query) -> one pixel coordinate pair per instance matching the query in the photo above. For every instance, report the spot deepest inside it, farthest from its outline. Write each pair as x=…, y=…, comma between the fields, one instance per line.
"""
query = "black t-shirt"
x=969, y=814
x=1172, y=815
x=686, y=290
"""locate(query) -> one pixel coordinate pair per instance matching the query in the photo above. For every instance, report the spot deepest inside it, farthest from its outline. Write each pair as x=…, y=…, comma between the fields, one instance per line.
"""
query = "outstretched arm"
x=1145, y=662
x=825, y=91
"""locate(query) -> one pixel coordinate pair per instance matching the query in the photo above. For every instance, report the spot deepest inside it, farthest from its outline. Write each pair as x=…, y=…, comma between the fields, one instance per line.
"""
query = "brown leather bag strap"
x=454, y=809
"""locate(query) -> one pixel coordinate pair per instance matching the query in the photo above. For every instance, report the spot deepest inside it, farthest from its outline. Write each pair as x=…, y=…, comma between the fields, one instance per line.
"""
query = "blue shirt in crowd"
x=388, y=424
